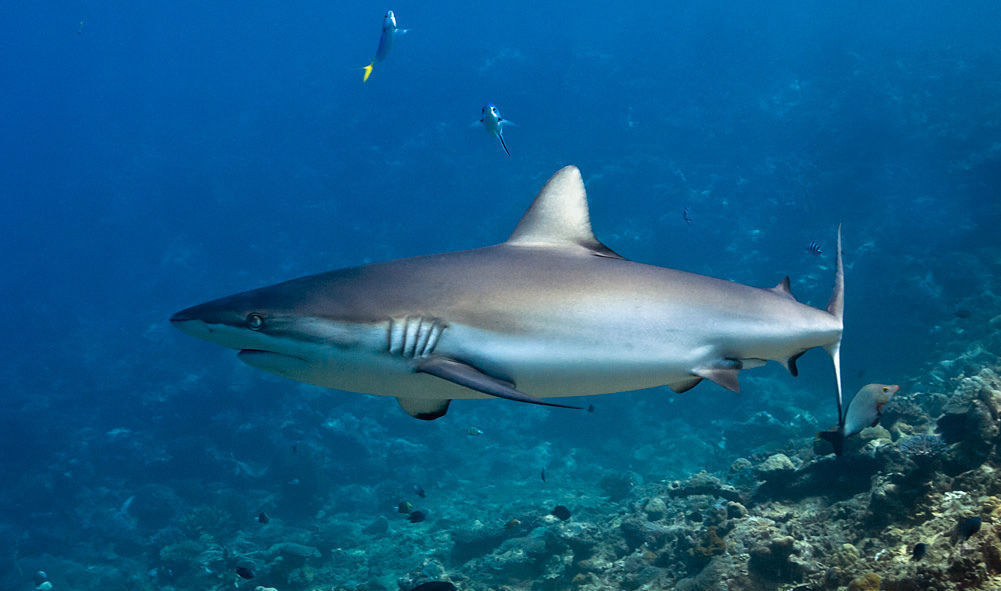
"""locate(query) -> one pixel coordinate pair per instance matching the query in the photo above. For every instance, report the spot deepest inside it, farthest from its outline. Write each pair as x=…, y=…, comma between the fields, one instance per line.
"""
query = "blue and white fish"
x=389, y=31
x=494, y=124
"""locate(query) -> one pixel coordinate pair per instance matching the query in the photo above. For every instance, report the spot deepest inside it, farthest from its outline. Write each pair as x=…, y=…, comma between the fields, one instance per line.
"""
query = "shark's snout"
x=182, y=317
x=189, y=322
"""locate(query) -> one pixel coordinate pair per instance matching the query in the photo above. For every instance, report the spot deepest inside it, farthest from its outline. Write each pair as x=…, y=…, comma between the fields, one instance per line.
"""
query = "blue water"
x=156, y=155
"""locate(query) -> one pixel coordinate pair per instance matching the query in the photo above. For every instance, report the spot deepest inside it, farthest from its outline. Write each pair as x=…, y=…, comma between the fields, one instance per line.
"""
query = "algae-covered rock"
x=293, y=550
x=617, y=486
x=772, y=562
x=775, y=465
x=704, y=483
x=868, y=582
x=655, y=509
x=476, y=541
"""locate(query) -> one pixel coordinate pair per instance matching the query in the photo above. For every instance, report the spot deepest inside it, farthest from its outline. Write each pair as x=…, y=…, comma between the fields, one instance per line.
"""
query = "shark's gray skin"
x=549, y=312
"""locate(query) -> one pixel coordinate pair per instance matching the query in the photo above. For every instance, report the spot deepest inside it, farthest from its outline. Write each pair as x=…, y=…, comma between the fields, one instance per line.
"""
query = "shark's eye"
x=885, y=389
x=254, y=321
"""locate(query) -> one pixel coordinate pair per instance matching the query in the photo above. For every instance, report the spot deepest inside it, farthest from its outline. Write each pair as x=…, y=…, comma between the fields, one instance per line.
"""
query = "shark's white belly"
x=575, y=360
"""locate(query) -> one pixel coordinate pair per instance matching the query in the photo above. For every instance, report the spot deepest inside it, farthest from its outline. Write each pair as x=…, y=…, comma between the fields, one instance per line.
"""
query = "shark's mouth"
x=278, y=363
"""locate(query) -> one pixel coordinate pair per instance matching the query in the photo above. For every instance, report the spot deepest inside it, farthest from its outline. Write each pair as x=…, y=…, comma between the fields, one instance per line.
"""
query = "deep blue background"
x=163, y=154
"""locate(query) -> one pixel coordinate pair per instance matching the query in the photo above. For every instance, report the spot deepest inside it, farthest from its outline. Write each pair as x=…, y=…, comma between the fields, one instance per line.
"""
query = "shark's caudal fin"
x=368, y=71
x=559, y=218
x=836, y=306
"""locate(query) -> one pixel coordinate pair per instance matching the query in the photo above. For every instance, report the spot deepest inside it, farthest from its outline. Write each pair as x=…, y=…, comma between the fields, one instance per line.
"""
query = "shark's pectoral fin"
x=468, y=376
x=423, y=408
x=724, y=376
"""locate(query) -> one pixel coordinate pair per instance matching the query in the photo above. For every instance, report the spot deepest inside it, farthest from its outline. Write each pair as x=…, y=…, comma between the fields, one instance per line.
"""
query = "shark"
x=549, y=312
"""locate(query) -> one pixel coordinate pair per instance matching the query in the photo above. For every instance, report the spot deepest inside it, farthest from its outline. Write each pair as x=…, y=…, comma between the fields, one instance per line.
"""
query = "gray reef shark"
x=549, y=312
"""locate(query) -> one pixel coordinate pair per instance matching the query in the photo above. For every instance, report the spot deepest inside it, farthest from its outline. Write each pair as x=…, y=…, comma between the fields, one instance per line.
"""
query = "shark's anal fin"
x=790, y=364
x=468, y=376
x=425, y=409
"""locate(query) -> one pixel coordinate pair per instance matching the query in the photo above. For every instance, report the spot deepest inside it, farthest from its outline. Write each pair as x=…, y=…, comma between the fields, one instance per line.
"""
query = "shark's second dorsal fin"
x=559, y=218
x=783, y=288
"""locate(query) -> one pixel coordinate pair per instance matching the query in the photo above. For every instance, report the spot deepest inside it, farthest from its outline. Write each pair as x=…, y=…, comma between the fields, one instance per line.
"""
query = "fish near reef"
x=865, y=410
x=968, y=527
x=244, y=572
x=404, y=507
x=561, y=512
x=919, y=551
x=417, y=517
x=263, y=518
x=551, y=311
x=419, y=491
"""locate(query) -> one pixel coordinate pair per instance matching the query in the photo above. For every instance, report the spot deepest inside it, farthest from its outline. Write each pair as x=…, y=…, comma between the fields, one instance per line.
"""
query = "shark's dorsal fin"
x=559, y=217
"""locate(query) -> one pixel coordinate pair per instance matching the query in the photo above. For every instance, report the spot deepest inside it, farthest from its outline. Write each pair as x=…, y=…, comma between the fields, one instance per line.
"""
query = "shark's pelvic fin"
x=468, y=376
x=724, y=376
x=559, y=217
x=424, y=408
x=685, y=386
x=836, y=306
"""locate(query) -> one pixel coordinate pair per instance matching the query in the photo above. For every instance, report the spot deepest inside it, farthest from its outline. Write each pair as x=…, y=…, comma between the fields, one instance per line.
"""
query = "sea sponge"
x=711, y=544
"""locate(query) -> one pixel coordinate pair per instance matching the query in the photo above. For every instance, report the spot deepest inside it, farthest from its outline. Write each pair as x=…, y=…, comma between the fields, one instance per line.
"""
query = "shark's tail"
x=836, y=307
x=368, y=71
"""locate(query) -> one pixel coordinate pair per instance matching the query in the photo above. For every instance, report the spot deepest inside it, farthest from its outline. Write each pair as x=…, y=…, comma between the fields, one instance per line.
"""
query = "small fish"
x=590, y=408
x=814, y=248
x=404, y=507
x=417, y=517
x=419, y=491
x=561, y=512
x=969, y=526
x=513, y=524
x=864, y=410
x=920, y=549
x=263, y=518
x=542, y=474
x=474, y=431
x=389, y=31
x=435, y=586
x=244, y=572
x=494, y=124
x=687, y=217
